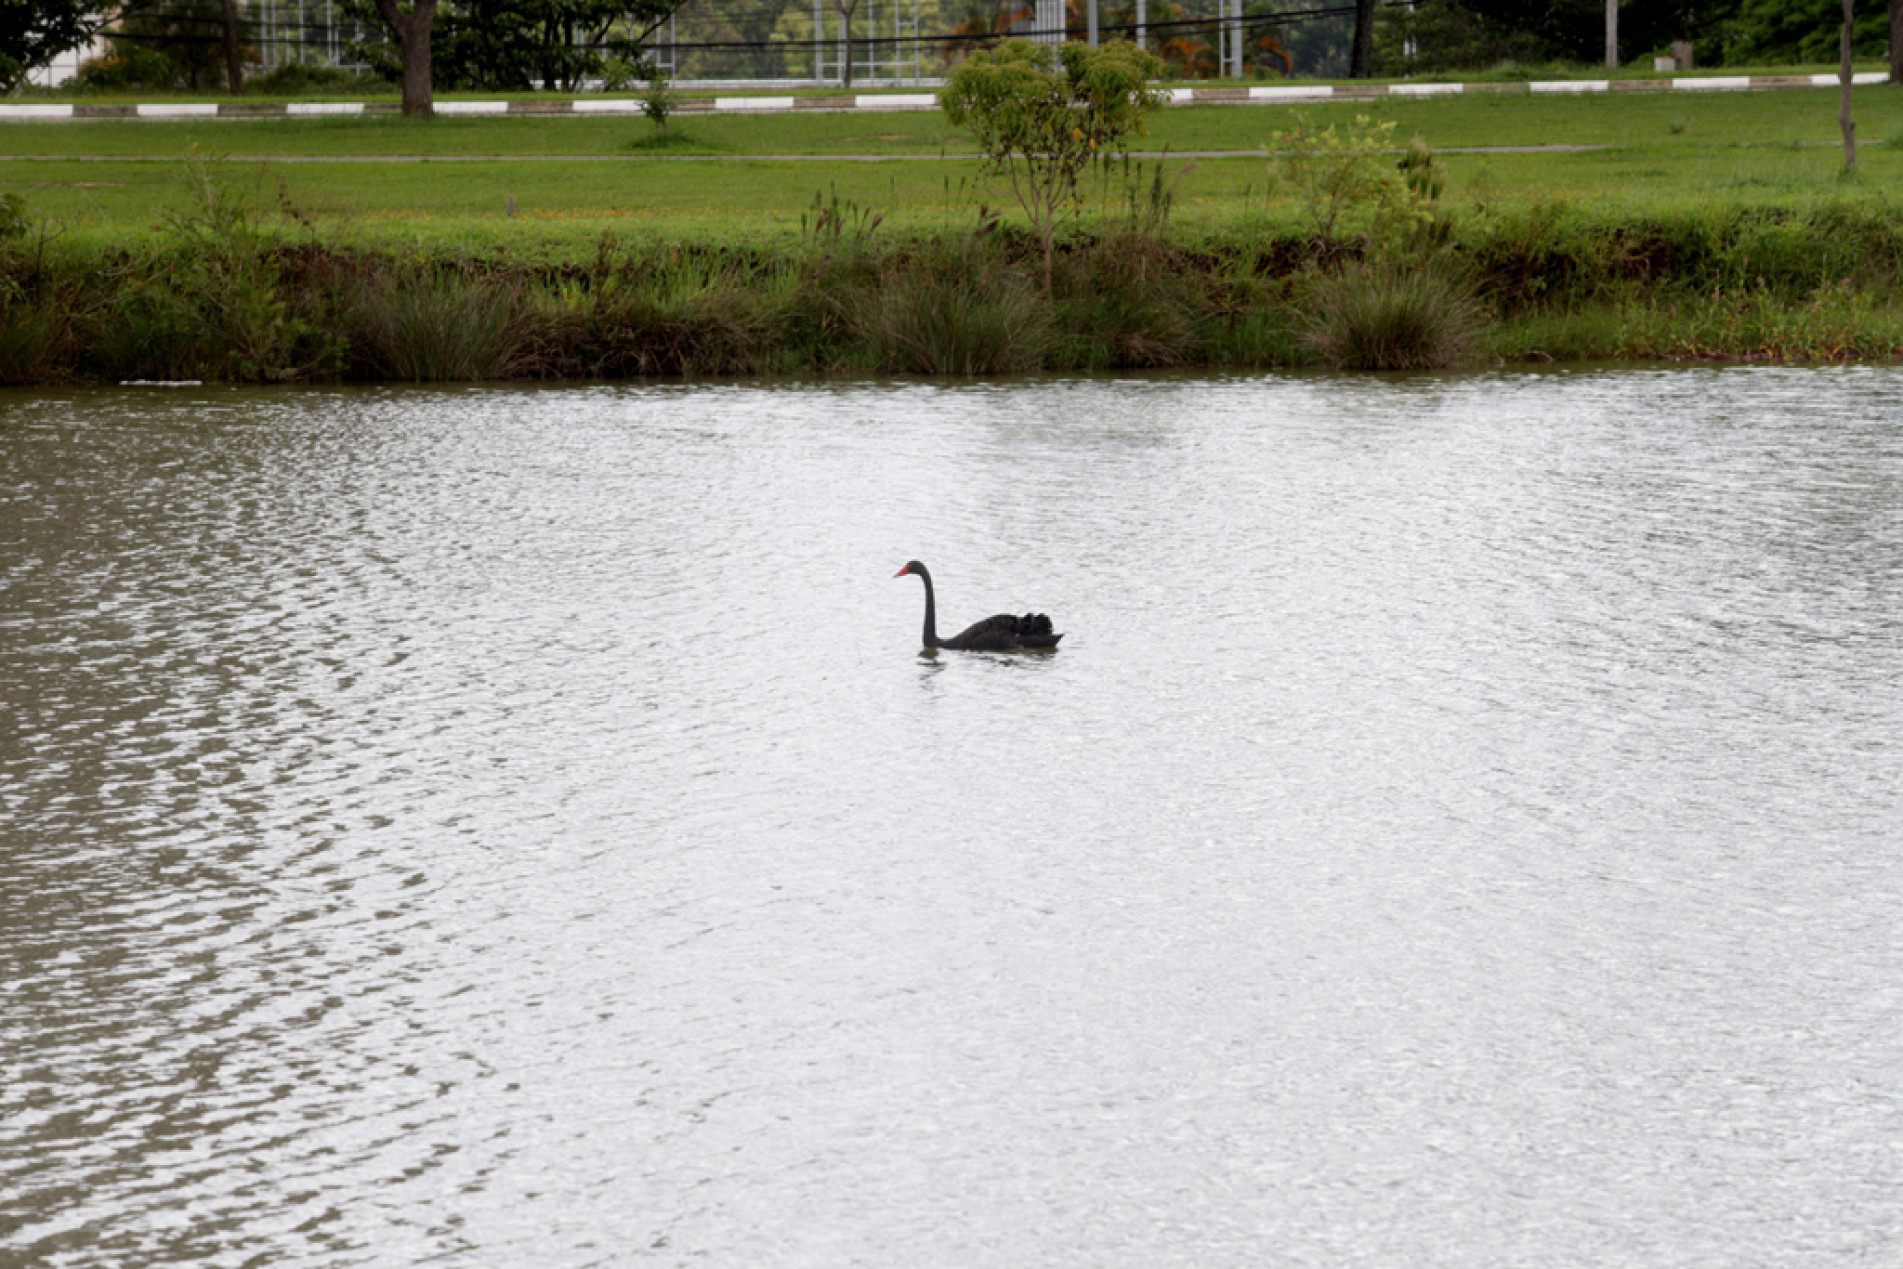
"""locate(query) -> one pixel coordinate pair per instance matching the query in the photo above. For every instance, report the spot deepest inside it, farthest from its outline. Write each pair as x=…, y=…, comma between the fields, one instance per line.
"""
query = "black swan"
x=1002, y=633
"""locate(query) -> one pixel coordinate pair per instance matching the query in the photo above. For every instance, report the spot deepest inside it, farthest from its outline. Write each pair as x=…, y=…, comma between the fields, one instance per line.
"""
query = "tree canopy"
x=34, y=32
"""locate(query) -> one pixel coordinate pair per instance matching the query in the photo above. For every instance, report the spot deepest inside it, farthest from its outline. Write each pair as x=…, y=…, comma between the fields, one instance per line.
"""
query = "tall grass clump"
x=1129, y=302
x=669, y=311
x=1387, y=317
x=29, y=337
x=956, y=309
x=31, y=322
x=439, y=326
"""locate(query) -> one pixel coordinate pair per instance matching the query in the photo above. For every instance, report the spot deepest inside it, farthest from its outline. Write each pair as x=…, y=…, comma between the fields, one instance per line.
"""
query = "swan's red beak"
x=902, y=572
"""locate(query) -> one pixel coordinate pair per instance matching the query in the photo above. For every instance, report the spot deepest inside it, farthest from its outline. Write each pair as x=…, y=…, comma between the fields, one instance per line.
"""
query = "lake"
x=1462, y=826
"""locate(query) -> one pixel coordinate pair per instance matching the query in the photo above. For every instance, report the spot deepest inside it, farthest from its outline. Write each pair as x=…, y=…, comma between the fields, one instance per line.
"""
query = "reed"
x=1130, y=301
x=29, y=337
x=1391, y=318
x=960, y=310
x=437, y=326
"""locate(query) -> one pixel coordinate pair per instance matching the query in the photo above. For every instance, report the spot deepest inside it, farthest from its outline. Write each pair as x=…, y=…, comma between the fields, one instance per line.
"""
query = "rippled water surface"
x=1462, y=826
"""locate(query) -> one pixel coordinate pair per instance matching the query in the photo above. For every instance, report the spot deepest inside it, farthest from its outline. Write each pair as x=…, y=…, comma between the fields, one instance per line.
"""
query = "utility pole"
x=1143, y=18
x=1612, y=35
x=1092, y=6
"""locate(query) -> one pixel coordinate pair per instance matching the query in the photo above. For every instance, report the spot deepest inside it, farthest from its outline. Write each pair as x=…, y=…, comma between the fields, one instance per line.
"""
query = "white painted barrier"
x=1291, y=92
x=915, y=101
x=896, y=101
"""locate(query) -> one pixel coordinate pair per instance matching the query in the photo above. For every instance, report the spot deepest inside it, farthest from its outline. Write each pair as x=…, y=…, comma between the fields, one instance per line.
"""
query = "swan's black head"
x=911, y=566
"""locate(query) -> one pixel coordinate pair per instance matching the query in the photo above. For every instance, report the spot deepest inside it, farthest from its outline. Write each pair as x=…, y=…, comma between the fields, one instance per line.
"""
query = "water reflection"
x=518, y=826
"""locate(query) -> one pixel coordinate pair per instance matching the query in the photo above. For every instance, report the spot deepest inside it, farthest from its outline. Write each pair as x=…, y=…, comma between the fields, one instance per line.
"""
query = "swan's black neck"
x=931, y=609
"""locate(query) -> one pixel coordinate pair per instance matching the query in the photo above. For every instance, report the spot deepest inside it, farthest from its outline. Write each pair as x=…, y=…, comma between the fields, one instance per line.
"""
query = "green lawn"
x=1777, y=147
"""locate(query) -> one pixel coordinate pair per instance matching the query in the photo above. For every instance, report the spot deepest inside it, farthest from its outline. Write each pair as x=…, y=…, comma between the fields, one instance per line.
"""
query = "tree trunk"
x=1361, y=60
x=412, y=31
x=1896, y=41
x=1843, y=98
x=1612, y=34
x=234, y=68
x=845, y=15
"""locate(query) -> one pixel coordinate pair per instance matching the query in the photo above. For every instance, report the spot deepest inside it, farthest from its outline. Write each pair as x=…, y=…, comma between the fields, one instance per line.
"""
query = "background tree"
x=1805, y=31
x=1040, y=113
x=846, y=9
x=34, y=32
x=412, y=30
x=1896, y=41
x=186, y=33
x=1361, y=60
x=234, y=51
x=522, y=45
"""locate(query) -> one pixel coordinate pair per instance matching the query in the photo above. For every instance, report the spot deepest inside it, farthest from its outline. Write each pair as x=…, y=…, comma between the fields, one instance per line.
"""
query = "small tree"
x=1349, y=184
x=1040, y=115
x=657, y=99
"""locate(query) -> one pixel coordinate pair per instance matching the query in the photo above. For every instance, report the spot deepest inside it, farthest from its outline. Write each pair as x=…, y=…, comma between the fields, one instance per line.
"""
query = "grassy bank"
x=1706, y=226
x=227, y=293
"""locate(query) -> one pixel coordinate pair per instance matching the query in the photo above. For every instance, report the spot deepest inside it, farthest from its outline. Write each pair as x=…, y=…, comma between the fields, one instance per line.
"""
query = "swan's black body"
x=1002, y=633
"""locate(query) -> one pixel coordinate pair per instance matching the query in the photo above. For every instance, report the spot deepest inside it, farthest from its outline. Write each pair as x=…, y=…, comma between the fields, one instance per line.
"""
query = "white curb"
x=1298, y=92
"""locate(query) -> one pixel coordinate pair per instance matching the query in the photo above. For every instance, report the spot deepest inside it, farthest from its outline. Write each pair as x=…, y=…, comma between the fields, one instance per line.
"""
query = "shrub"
x=1389, y=318
x=128, y=66
x=1348, y=185
x=296, y=78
